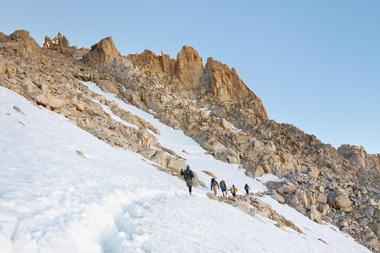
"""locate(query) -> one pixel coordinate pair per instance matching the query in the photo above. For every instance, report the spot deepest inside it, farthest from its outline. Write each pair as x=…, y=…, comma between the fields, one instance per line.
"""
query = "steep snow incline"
x=185, y=146
x=52, y=199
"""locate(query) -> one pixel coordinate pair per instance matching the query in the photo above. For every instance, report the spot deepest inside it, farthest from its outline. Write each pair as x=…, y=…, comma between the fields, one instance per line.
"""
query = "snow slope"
x=111, y=200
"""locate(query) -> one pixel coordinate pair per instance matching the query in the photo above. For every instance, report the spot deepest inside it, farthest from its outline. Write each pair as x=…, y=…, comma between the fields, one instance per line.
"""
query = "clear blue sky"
x=315, y=64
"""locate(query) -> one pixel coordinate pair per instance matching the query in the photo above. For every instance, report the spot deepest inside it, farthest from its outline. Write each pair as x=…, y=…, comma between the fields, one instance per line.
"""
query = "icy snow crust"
x=53, y=200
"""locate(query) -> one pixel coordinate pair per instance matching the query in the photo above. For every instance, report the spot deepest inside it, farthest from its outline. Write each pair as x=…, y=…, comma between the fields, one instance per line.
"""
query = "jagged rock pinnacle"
x=101, y=53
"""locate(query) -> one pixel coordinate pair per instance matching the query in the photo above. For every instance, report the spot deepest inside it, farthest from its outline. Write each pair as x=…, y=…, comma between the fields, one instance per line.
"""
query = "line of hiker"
x=214, y=185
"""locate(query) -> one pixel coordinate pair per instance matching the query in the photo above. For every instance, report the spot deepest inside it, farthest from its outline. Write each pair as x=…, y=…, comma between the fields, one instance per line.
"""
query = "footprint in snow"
x=17, y=109
x=80, y=153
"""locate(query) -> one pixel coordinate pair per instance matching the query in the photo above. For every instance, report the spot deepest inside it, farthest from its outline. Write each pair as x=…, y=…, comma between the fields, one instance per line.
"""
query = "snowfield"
x=53, y=199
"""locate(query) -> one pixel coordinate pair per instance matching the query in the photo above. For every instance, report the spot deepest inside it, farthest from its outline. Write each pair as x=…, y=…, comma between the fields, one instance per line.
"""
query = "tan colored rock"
x=214, y=146
x=341, y=201
x=79, y=106
x=28, y=47
x=188, y=68
x=230, y=89
x=148, y=152
x=322, y=198
x=3, y=67
x=314, y=172
x=176, y=164
x=101, y=53
x=227, y=125
x=315, y=215
x=160, y=158
x=278, y=197
x=29, y=86
x=49, y=100
x=108, y=86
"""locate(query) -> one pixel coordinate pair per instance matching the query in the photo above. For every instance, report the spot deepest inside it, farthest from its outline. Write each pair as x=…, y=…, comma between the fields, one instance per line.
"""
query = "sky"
x=315, y=64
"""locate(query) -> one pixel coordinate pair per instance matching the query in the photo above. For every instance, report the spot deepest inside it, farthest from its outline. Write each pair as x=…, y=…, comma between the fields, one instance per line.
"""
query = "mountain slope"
x=104, y=199
x=175, y=112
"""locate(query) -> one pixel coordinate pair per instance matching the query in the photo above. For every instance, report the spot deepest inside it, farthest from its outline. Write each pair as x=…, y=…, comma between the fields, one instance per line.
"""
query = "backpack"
x=223, y=185
x=187, y=174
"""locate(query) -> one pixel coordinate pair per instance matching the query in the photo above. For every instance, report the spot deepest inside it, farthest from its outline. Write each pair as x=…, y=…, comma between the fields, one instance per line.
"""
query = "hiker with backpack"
x=214, y=186
x=247, y=189
x=223, y=187
x=233, y=190
x=188, y=175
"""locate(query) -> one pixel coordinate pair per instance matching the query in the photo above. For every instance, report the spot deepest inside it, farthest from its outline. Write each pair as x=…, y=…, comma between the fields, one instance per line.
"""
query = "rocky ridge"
x=211, y=104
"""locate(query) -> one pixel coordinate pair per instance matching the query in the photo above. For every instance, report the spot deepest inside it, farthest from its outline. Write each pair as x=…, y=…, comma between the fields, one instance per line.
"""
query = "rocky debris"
x=252, y=205
x=338, y=199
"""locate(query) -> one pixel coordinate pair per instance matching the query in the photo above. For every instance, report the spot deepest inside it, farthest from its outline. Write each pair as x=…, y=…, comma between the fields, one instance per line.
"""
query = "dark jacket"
x=246, y=187
x=187, y=174
x=214, y=183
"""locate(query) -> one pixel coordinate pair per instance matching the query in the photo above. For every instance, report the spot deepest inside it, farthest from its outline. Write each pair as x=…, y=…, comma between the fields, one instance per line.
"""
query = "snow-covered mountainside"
x=64, y=190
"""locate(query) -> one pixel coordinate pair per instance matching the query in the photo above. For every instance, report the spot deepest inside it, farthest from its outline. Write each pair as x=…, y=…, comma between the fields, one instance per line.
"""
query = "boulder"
x=29, y=86
x=314, y=172
x=278, y=197
x=108, y=86
x=322, y=198
x=340, y=201
x=79, y=106
x=261, y=170
x=315, y=215
x=176, y=164
x=227, y=125
x=148, y=152
x=160, y=158
x=135, y=99
x=214, y=146
x=49, y=100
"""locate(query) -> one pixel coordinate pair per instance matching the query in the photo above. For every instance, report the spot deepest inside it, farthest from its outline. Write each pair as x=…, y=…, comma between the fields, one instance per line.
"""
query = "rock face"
x=230, y=89
x=209, y=103
x=101, y=54
x=356, y=155
x=105, y=57
x=58, y=43
x=188, y=69
x=20, y=43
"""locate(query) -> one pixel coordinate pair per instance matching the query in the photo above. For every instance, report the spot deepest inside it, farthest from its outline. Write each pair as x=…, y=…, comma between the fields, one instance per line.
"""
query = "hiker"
x=214, y=186
x=247, y=189
x=188, y=175
x=233, y=190
x=223, y=187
